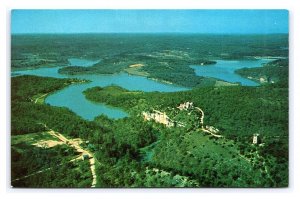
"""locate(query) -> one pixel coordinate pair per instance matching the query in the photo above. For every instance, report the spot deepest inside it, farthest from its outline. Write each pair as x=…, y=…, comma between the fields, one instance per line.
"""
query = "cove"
x=73, y=98
x=224, y=70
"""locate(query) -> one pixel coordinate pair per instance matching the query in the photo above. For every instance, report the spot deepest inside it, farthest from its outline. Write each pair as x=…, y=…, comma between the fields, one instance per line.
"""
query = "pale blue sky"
x=150, y=21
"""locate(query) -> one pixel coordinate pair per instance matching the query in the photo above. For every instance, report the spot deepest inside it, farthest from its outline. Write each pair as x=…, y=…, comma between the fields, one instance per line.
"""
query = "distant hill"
x=274, y=72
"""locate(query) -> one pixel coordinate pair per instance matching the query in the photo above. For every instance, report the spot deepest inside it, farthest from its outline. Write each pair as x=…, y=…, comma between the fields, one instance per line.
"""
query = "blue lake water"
x=224, y=70
x=73, y=98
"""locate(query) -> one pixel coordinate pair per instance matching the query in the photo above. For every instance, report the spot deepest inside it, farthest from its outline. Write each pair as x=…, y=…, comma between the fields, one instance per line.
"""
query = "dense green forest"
x=221, y=105
x=134, y=152
x=40, y=50
x=29, y=118
x=275, y=71
x=237, y=112
x=175, y=68
x=157, y=55
x=54, y=162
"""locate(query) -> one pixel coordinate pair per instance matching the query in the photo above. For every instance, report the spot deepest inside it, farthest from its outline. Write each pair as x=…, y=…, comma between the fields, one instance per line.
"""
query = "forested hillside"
x=136, y=153
x=209, y=135
x=238, y=112
x=273, y=72
x=153, y=55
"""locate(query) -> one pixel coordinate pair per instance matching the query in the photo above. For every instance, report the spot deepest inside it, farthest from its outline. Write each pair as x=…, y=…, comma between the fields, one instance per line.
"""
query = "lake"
x=73, y=98
x=224, y=70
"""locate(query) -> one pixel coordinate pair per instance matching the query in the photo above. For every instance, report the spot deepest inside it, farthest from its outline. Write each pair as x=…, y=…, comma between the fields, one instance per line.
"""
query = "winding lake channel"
x=73, y=98
x=224, y=70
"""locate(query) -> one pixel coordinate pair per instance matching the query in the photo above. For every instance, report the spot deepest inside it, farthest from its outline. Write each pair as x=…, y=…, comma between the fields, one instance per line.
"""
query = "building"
x=185, y=106
x=212, y=129
x=159, y=117
x=255, y=138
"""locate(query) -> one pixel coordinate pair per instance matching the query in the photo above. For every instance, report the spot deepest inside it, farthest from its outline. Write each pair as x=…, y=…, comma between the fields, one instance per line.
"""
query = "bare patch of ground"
x=136, y=65
x=47, y=143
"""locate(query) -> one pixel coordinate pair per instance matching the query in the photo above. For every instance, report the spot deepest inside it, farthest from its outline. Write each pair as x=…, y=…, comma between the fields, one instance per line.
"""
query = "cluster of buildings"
x=162, y=118
x=212, y=129
x=158, y=117
x=185, y=106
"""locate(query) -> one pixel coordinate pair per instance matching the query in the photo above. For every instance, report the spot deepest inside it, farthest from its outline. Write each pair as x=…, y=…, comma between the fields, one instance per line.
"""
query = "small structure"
x=255, y=138
x=212, y=129
x=185, y=106
x=159, y=117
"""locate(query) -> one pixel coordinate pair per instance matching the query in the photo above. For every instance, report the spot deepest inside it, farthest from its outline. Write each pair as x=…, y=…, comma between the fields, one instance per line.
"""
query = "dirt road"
x=36, y=100
x=79, y=149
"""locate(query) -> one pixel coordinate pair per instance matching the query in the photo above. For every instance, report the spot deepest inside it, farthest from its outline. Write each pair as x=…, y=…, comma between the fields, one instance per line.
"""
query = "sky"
x=150, y=21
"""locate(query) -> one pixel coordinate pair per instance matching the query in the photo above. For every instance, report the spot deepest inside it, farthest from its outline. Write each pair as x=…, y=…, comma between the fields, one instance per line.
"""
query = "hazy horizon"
x=148, y=33
x=219, y=22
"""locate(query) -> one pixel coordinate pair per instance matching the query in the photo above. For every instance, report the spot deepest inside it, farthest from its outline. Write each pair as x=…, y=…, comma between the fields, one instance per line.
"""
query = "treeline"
x=274, y=72
x=212, y=162
x=174, y=69
x=179, y=157
x=25, y=87
x=27, y=160
x=208, y=161
x=164, y=56
x=109, y=140
x=29, y=117
x=59, y=174
x=116, y=145
x=109, y=65
x=125, y=137
x=238, y=112
x=27, y=48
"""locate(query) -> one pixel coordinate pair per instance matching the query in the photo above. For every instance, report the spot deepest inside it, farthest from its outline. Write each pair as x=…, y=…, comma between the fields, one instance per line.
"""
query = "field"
x=41, y=160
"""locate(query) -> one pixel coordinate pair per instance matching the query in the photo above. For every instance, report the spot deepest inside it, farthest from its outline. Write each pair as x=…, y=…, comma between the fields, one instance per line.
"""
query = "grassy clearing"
x=31, y=138
x=136, y=71
x=223, y=83
x=199, y=144
x=39, y=98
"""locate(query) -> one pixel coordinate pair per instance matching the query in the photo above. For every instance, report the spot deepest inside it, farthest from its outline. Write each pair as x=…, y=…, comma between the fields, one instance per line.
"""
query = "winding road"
x=202, y=116
x=79, y=149
x=202, y=121
x=36, y=100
